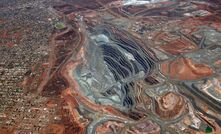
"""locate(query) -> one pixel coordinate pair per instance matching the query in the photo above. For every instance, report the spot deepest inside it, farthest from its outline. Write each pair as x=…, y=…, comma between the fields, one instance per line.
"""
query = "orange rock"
x=54, y=129
x=104, y=128
x=218, y=62
x=179, y=46
x=170, y=106
x=2, y=21
x=71, y=16
x=185, y=69
x=144, y=127
x=45, y=65
x=10, y=44
x=51, y=104
x=7, y=130
x=216, y=25
x=187, y=120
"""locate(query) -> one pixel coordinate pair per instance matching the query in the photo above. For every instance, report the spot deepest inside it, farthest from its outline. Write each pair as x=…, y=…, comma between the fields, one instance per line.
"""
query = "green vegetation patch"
x=208, y=130
x=59, y=25
x=18, y=90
